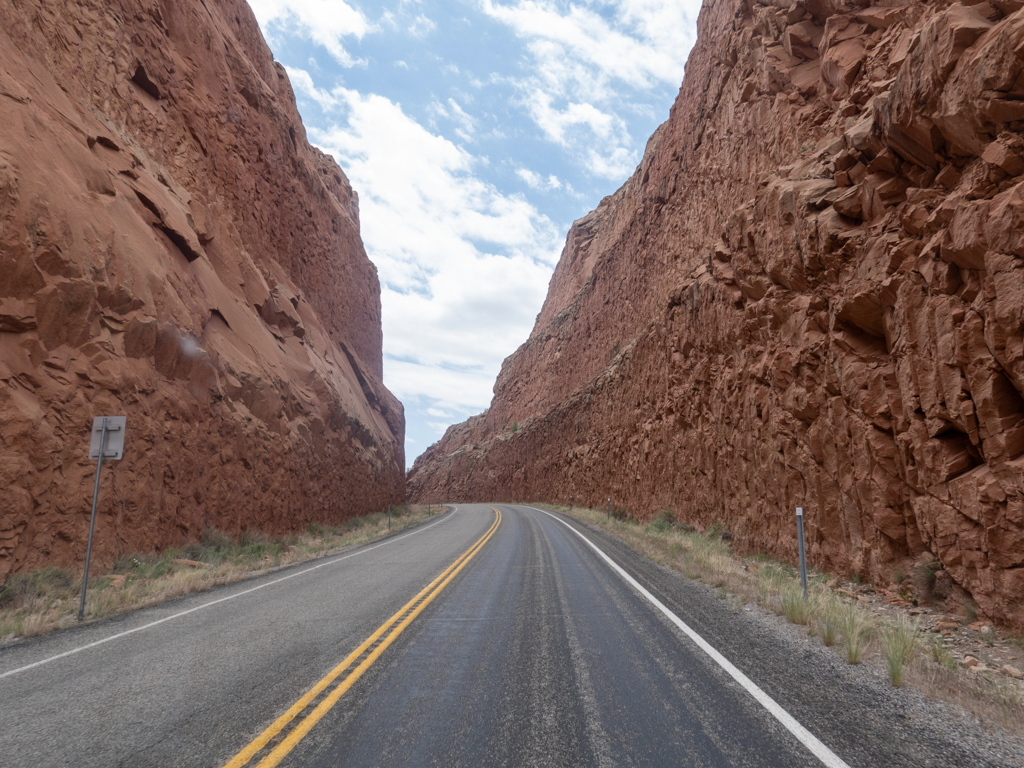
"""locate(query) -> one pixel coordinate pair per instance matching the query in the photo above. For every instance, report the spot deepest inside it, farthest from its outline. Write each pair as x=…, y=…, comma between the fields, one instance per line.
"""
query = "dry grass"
x=856, y=626
x=38, y=602
x=901, y=640
x=795, y=607
x=995, y=698
x=840, y=622
x=827, y=619
x=940, y=654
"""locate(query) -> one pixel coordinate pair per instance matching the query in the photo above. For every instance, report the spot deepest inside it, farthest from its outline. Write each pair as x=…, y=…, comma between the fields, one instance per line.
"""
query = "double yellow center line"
x=369, y=651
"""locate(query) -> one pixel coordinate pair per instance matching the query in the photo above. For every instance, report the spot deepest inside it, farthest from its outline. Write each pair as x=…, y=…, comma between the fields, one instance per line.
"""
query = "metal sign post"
x=803, y=552
x=107, y=443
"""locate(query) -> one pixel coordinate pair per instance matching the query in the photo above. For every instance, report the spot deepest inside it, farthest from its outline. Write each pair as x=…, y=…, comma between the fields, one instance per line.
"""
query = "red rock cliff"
x=172, y=249
x=810, y=293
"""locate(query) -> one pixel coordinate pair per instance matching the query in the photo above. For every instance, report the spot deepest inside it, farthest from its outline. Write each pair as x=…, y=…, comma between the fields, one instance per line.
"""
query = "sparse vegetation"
x=662, y=521
x=837, y=619
x=772, y=577
x=928, y=570
x=828, y=619
x=856, y=627
x=795, y=608
x=941, y=655
x=900, y=643
x=972, y=612
x=40, y=601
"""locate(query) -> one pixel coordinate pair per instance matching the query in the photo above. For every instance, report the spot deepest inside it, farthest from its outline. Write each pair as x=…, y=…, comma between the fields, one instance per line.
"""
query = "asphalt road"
x=532, y=651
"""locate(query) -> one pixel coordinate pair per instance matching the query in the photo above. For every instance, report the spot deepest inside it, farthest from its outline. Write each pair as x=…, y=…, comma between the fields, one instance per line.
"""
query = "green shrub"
x=662, y=521
x=49, y=581
x=972, y=612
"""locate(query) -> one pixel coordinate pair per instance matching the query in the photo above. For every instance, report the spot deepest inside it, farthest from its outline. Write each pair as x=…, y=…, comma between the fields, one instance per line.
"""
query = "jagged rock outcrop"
x=172, y=249
x=810, y=293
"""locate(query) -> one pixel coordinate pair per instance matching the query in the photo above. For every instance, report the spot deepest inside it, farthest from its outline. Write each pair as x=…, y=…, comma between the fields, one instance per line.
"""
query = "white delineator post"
x=803, y=552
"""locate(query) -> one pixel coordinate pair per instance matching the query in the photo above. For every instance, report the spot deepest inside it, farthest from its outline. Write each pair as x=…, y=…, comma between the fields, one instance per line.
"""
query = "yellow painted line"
x=305, y=725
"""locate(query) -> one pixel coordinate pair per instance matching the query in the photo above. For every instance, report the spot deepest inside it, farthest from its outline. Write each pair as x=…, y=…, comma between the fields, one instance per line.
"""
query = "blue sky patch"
x=475, y=132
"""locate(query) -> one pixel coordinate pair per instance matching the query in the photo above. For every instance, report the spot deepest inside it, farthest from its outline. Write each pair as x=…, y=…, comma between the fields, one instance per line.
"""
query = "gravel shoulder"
x=845, y=705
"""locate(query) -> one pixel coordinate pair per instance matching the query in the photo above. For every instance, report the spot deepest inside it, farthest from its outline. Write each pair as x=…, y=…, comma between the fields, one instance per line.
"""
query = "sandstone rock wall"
x=172, y=249
x=810, y=293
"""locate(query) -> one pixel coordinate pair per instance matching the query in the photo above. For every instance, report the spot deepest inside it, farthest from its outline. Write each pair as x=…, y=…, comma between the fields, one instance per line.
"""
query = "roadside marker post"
x=389, y=517
x=609, y=509
x=803, y=551
x=107, y=442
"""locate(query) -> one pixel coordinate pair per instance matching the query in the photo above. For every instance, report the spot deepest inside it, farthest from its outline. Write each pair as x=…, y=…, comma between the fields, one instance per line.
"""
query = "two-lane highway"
x=196, y=687
x=542, y=657
x=492, y=636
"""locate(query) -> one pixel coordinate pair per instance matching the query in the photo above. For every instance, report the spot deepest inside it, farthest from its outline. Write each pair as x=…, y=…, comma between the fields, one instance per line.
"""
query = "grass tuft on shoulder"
x=40, y=601
x=886, y=640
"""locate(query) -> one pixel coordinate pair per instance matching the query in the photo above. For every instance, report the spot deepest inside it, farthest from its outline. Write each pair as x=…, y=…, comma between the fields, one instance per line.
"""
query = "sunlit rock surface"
x=810, y=293
x=173, y=250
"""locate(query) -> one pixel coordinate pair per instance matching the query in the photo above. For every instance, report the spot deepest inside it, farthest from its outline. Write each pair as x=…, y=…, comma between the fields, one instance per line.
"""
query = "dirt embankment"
x=172, y=249
x=810, y=293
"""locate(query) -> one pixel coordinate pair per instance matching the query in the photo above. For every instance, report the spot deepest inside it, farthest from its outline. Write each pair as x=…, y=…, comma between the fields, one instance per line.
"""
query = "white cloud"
x=465, y=124
x=557, y=123
x=535, y=181
x=302, y=84
x=326, y=22
x=647, y=43
x=588, y=61
x=421, y=26
x=463, y=266
x=401, y=64
x=618, y=163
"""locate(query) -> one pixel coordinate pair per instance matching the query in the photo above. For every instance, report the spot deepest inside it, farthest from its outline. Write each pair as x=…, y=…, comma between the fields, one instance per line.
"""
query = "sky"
x=475, y=132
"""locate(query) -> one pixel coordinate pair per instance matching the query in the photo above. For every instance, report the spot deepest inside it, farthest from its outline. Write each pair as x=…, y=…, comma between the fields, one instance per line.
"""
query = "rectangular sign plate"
x=115, y=437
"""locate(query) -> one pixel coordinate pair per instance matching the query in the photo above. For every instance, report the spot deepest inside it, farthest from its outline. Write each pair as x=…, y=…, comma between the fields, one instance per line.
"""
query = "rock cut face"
x=173, y=250
x=810, y=293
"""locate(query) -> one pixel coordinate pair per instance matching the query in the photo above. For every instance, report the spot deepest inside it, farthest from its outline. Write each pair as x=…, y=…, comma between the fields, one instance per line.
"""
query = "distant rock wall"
x=810, y=293
x=173, y=250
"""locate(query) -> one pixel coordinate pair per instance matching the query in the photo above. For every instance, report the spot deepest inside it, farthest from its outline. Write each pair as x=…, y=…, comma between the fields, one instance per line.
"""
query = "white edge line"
x=808, y=739
x=152, y=624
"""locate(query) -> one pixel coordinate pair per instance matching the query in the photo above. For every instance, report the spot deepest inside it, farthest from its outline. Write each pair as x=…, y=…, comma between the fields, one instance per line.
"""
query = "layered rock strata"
x=173, y=250
x=810, y=293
